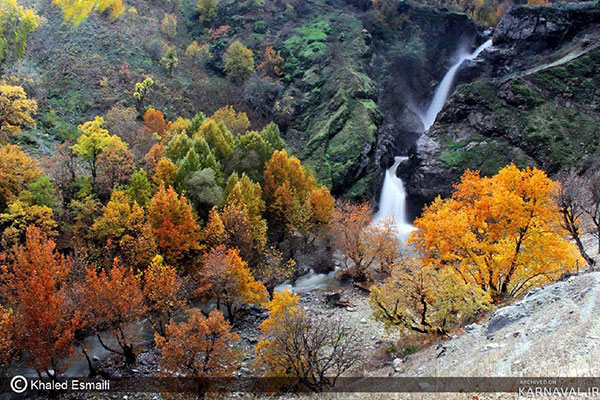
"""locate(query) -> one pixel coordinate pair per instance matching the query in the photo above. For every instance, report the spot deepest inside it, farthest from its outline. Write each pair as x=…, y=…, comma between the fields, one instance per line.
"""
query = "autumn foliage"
x=199, y=347
x=227, y=278
x=110, y=300
x=174, y=224
x=37, y=274
x=502, y=233
x=162, y=292
x=364, y=244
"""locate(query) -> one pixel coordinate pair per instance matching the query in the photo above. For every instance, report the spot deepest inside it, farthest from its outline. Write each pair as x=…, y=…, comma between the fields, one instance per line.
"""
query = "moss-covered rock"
x=549, y=119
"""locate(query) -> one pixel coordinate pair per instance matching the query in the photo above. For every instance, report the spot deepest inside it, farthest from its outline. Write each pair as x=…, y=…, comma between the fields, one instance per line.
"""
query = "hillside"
x=550, y=332
x=531, y=100
x=342, y=103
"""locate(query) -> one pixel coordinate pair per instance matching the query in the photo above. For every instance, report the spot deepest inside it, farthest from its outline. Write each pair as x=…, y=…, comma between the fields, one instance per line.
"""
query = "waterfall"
x=393, y=196
x=392, y=203
x=443, y=90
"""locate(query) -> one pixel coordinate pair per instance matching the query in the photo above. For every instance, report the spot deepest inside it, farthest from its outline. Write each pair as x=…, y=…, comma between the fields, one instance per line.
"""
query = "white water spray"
x=392, y=203
x=443, y=90
x=393, y=196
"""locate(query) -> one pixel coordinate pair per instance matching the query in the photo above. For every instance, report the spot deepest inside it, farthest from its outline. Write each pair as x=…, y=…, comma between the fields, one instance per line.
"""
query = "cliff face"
x=533, y=99
x=354, y=106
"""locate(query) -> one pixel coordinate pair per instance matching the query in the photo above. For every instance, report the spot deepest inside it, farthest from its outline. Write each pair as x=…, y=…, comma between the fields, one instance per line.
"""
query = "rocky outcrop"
x=546, y=26
x=552, y=331
x=535, y=102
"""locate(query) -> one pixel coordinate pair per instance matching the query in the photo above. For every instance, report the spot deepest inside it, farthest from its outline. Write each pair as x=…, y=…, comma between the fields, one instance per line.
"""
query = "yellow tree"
x=245, y=194
x=122, y=230
x=19, y=216
x=17, y=171
x=214, y=232
x=16, y=23
x=236, y=122
x=316, y=352
x=239, y=62
x=283, y=307
x=16, y=110
x=207, y=11
x=162, y=291
x=425, y=300
x=165, y=173
x=502, y=233
x=77, y=10
x=93, y=140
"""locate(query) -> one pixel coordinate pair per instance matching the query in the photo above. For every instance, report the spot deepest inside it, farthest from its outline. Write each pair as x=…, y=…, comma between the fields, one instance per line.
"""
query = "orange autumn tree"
x=502, y=233
x=174, y=224
x=154, y=122
x=365, y=245
x=292, y=194
x=162, y=291
x=199, y=347
x=110, y=301
x=34, y=286
x=227, y=278
x=7, y=339
x=272, y=63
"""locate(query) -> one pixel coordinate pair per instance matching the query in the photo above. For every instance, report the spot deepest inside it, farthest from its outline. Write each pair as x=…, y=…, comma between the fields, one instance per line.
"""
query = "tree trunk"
x=92, y=370
x=591, y=262
x=130, y=357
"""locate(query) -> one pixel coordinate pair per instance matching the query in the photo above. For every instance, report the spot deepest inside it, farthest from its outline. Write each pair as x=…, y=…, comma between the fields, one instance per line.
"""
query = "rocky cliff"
x=354, y=106
x=532, y=99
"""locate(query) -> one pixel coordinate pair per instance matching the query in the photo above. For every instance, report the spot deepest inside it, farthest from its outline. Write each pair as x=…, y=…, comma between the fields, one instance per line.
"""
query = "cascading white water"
x=442, y=91
x=393, y=197
x=392, y=203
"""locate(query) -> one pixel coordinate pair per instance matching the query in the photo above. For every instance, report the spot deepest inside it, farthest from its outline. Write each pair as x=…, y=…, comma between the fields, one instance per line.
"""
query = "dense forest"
x=180, y=166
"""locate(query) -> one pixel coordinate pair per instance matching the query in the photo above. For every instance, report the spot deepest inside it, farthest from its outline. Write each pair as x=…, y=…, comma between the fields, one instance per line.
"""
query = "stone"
x=492, y=346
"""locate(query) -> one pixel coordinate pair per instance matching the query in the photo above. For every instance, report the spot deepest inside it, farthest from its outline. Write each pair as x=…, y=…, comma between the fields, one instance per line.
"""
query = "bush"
x=155, y=49
x=260, y=26
x=261, y=93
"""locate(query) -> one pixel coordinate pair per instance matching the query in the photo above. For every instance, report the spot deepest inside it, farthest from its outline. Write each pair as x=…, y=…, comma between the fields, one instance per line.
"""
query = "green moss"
x=485, y=155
